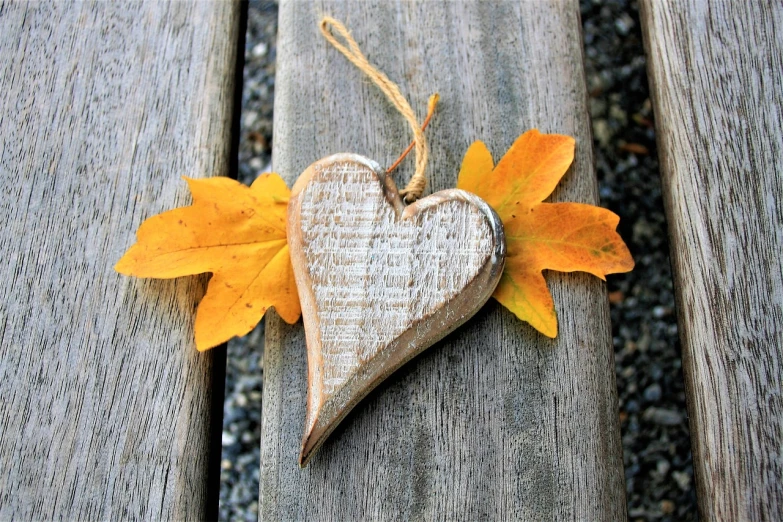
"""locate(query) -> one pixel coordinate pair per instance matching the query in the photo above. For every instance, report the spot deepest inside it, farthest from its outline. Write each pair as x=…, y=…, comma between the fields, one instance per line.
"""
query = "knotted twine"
x=418, y=182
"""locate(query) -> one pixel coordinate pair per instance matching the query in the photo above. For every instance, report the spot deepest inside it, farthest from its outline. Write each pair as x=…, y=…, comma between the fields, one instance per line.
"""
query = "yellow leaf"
x=237, y=233
x=540, y=236
x=528, y=173
x=476, y=167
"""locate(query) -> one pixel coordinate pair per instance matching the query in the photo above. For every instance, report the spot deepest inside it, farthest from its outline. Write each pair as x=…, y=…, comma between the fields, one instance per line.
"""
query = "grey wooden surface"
x=716, y=72
x=103, y=106
x=496, y=422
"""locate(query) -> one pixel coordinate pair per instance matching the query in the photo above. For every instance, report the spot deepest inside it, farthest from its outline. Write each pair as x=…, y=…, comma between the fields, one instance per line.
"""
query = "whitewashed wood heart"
x=380, y=282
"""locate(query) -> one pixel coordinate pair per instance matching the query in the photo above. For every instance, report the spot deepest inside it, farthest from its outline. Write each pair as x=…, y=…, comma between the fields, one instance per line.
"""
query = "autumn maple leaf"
x=566, y=237
x=236, y=232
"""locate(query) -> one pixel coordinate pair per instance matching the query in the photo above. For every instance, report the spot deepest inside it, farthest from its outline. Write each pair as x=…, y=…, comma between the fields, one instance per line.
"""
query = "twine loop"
x=418, y=181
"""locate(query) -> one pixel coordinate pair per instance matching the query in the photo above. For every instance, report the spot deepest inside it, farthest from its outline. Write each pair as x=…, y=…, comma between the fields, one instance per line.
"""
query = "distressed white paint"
x=379, y=282
x=373, y=274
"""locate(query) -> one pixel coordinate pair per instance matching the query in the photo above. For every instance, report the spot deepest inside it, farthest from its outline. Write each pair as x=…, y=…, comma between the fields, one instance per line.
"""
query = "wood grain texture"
x=105, y=409
x=715, y=71
x=380, y=282
x=496, y=422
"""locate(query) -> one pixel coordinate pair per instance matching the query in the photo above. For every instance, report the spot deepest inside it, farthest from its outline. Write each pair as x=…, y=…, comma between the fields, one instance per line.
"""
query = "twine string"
x=418, y=182
x=430, y=111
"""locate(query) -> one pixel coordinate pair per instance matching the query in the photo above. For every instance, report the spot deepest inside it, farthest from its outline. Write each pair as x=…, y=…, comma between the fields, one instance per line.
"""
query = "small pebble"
x=643, y=343
x=602, y=132
x=660, y=312
x=256, y=164
x=228, y=439
x=667, y=507
x=662, y=416
x=652, y=393
x=682, y=479
x=249, y=119
x=618, y=114
x=597, y=107
x=259, y=50
x=643, y=231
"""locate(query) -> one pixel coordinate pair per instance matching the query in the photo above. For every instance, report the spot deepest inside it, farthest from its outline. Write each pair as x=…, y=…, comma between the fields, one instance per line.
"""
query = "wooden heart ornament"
x=380, y=282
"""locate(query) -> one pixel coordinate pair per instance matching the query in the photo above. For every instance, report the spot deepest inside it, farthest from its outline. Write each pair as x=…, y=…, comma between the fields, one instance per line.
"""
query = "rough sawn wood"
x=105, y=409
x=496, y=422
x=716, y=72
x=380, y=282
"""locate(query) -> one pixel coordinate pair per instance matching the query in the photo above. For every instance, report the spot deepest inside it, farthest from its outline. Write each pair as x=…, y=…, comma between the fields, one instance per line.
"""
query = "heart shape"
x=380, y=282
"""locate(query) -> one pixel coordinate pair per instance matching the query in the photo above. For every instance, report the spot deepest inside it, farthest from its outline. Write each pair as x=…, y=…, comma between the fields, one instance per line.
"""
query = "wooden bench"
x=495, y=422
x=108, y=412
x=715, y=75
x=106, y=409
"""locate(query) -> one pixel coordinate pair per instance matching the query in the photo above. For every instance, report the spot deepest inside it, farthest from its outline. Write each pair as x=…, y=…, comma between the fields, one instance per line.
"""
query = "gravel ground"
x=656, y=443
x=244, y=360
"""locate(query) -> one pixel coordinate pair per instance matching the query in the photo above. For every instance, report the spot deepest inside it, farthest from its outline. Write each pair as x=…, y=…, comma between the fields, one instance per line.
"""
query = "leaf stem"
x=430, y=111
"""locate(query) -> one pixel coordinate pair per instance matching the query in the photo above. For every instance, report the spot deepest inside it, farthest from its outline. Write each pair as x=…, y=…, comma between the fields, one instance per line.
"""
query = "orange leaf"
x=476, y=168
x=236, y=232
x=566, y=237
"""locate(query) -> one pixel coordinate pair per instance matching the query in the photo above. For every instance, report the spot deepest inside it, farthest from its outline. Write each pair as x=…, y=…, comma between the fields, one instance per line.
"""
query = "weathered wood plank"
x=715, y=72
x=103, y=106
x=496, y=422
